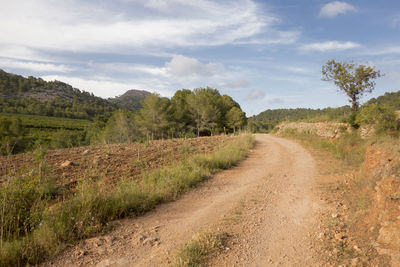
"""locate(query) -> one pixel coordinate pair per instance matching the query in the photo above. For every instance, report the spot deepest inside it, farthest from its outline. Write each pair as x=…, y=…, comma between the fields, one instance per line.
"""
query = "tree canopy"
x=353, y=80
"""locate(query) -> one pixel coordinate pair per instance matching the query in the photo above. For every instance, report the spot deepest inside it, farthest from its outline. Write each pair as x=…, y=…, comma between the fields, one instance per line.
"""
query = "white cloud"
x=33, y=66
x=235, y=84
x=256, y=94
x=335, y=8
x=186, y=66
x=86, y=26
x=274, y=38
x=384, y=51
x=329, y=46
x=275, y=100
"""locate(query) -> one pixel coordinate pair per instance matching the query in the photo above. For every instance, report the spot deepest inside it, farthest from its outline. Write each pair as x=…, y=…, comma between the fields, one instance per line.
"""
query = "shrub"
x=382, y=117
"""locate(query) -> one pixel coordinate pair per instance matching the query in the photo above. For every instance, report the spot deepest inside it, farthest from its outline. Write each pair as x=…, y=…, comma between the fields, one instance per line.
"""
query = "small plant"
x=200, y=249
x=185, y=149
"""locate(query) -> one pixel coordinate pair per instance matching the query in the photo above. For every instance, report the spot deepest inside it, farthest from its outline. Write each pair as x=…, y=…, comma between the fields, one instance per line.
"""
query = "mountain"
x=130, y=99
x=35, y=96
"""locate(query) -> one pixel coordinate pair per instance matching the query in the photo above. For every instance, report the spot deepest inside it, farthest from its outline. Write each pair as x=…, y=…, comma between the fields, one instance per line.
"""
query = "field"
x=53, y=131
x=40, y=190
x=35, y=121
x=110, y=163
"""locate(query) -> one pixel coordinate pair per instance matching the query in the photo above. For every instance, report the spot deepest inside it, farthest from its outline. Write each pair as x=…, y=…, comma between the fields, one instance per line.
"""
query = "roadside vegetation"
x=36, y=224
x=200, y=249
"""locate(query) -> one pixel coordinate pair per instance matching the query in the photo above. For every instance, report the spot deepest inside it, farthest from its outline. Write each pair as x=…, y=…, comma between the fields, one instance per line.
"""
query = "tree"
x=153, y=117
x=204, y=109
x=181, y=115
x=351, y=79
x=235, y=118
x=120, y=128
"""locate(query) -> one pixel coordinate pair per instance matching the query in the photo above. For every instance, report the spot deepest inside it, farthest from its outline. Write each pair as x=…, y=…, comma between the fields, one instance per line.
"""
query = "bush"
x=382, y=117
x=11, y=136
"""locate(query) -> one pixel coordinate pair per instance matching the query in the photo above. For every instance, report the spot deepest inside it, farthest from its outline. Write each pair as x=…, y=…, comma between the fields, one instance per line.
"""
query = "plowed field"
x=109, y=163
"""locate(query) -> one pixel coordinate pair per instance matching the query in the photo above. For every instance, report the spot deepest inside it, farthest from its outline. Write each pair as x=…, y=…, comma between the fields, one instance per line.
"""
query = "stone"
x=66, y=164
x=340, y=236
x=142, y=237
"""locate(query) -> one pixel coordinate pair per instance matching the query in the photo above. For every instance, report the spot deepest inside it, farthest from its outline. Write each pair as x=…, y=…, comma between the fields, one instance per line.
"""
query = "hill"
x=390, y=99
x=269, y=118
x=57, y=99
x=130, y=99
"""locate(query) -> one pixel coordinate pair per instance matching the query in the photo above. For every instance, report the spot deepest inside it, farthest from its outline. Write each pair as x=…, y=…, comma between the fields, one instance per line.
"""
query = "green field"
x=54, y=132
x=55, y=123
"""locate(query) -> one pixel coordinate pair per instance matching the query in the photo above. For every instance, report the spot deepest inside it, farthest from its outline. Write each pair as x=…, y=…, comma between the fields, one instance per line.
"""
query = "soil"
x=109, y=163
x=270, y=205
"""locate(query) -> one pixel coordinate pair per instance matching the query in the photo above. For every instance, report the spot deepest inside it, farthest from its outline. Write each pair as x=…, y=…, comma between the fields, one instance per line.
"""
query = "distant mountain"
x=131, y=99
x=35, y=96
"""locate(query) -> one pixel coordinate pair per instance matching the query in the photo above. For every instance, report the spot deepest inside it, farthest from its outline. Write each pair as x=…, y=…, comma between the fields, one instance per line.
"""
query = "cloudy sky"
x=266, y=54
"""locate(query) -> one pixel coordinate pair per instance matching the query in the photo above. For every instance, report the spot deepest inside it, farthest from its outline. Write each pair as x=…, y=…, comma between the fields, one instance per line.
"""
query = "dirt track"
x=268, y=204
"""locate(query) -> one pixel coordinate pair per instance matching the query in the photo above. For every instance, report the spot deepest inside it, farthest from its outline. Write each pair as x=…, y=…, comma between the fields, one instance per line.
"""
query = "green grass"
x=350, y=147
x=40, y=227
x=200, y=249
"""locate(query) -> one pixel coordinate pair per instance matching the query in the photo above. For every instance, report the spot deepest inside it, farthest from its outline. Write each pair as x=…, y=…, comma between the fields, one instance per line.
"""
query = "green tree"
x=120, y=128
x=382, y=117
x=235, y=118
x=182, y=122
x=204, y=108
x=351, y=79
x=153, y=117
x=11, y=136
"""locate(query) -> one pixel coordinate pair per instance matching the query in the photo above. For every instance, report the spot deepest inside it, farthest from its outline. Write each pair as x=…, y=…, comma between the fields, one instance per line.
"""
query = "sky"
x=265, y=54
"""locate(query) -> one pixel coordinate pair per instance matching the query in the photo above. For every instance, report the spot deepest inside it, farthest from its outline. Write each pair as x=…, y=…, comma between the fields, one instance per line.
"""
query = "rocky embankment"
x=322, y=129
x=384, y=214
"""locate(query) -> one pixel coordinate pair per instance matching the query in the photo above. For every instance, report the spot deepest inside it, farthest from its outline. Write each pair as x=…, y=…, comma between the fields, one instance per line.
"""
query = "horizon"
x=265, y=54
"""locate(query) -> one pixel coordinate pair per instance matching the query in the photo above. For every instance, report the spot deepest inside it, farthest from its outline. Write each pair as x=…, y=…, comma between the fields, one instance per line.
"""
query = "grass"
x=38, y=227
x=200, y=249
x=350, y=147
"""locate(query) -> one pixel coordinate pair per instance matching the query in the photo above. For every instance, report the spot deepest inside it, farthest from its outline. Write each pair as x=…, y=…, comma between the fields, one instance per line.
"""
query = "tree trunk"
x=354, y=104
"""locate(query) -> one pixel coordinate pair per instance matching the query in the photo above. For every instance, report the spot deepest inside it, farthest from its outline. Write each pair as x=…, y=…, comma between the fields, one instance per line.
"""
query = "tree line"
x=201, y=112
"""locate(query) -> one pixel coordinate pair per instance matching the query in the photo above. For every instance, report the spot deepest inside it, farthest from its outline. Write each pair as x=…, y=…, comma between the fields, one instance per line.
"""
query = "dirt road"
x=268, y=204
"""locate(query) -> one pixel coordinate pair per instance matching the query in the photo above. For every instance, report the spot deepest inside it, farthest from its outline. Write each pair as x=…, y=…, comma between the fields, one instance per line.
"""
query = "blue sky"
x=266, y=54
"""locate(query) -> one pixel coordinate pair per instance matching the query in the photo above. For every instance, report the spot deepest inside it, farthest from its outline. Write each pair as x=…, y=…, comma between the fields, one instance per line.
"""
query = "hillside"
x=130, y=99
x=57, y=99
x=390, y=99
x=269, y=118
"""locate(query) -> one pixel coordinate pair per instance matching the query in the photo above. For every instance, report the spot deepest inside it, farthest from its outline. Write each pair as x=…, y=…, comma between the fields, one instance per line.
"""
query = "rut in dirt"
x=277, y=227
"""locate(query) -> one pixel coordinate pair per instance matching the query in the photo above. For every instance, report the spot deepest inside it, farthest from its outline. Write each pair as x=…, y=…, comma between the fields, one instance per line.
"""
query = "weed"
x=349, y=148
x=200, y=249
